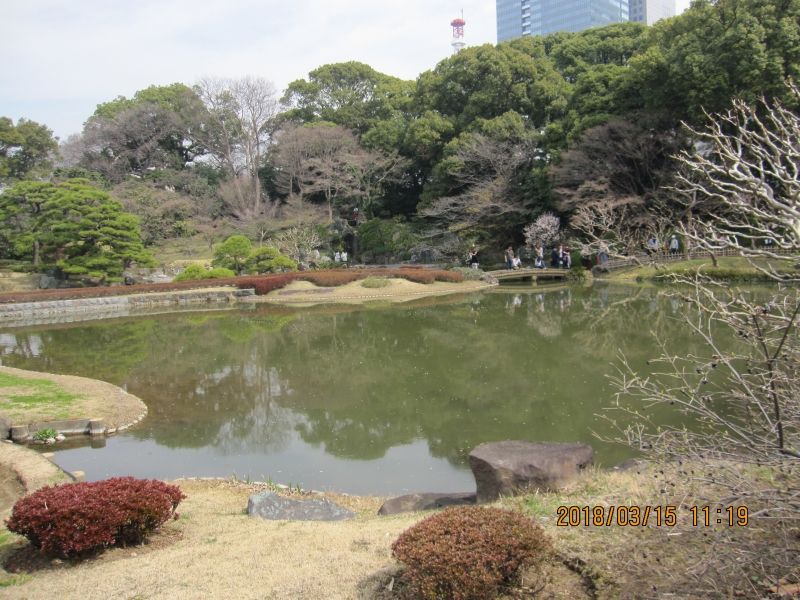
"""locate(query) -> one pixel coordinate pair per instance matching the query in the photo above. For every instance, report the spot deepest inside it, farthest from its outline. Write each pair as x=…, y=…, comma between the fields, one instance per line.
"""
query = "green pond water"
x=376, y=399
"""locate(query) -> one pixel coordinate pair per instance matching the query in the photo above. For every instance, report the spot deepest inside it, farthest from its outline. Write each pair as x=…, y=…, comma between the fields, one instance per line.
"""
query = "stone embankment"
x=80, y=309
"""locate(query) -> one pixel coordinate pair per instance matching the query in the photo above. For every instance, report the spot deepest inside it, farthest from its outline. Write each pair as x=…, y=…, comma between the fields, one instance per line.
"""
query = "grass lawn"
x=18, y=395
x=733, y=268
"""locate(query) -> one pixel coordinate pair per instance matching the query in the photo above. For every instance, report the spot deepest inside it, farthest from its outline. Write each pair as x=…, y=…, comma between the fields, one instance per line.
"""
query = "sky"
x=67, y=57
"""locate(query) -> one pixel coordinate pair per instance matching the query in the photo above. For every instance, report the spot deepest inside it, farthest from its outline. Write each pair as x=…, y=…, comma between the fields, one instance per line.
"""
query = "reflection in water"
x=361, y=400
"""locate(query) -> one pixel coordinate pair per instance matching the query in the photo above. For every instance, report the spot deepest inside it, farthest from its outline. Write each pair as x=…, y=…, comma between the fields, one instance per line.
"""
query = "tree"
x=742, y=435
x=755, y=48
x=543, y=231
x=156, y=129
x=268, y=259
x=749, y=176
x=25, y=149
x=74, y=226
x=350, y=94
x=613, y=185
x=237, y=128
x=484, y=172
x=233, y=253
x=298, y=242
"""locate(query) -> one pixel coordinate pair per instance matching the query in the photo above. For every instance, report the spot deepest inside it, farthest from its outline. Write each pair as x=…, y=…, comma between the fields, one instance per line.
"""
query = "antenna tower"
x=458, y=42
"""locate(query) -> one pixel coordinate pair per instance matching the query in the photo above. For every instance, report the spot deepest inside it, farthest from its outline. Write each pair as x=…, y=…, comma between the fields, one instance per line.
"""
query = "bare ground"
x=305, y=293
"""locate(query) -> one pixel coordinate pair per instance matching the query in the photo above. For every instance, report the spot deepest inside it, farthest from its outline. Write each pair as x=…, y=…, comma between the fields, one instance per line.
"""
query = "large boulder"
x=510, y=467
x=269, y=505
x=430, y=501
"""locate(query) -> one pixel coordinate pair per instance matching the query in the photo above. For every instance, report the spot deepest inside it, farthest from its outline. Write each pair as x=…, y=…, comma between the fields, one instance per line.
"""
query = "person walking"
x=555, y=258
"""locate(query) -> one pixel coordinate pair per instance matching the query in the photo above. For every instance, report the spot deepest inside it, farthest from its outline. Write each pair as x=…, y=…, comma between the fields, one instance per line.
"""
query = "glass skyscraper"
x=537, y=17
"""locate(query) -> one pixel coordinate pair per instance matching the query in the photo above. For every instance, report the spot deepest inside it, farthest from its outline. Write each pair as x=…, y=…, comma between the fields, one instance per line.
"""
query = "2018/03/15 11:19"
x=642, y=516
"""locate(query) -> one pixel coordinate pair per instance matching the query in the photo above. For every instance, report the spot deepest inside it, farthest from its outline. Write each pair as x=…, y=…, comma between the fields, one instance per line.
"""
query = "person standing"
x=674, y=245
x=472, y=258
x=344, y=257
x=539, y=260
x=337, y=257
x=555, y=258
x=509, y=258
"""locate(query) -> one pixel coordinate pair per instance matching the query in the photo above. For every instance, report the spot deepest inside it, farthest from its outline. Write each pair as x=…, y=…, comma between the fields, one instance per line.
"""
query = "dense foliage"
x=73, y=226
x=76, y=518
x=469, y=553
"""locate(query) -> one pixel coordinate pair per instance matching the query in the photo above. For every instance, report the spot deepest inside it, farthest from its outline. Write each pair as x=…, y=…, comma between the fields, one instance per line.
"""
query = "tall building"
x=650, y=11
x=538, y=17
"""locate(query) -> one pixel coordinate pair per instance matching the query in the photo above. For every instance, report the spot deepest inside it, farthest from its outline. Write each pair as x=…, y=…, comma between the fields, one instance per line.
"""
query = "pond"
x=375, y=399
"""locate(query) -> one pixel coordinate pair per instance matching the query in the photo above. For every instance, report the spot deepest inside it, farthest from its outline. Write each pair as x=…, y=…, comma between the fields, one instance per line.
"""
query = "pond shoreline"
x=23, y=314
x=98, y=408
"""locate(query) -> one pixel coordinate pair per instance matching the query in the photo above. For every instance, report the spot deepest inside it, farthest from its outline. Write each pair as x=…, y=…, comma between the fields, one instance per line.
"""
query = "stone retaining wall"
x=35, y=313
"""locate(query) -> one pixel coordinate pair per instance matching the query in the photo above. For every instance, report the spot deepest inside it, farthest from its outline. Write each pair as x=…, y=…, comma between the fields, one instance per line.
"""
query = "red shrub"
x=75, y=518
x=467, y=553
x=266, y=283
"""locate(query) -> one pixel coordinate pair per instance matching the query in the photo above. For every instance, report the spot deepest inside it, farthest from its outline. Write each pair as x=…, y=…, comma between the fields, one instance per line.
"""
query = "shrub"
x=375, y=282
x=467, y=553
x=77, y=518
x=45, y=434
x=267, y=259
x=265, y=284
x=197, y=272
x=469, y=274
x=233, y=253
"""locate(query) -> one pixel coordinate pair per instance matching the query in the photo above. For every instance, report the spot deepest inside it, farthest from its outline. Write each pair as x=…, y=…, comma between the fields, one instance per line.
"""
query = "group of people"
x=560, y=258
x=340, y=257
x=673, y=246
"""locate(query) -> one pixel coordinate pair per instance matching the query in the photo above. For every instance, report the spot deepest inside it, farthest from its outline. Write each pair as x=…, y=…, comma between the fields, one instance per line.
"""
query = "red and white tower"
x=458, y=42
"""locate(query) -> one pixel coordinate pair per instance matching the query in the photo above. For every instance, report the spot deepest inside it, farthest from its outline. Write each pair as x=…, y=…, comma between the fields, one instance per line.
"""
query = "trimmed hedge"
x=469, y=553
x=78, y=518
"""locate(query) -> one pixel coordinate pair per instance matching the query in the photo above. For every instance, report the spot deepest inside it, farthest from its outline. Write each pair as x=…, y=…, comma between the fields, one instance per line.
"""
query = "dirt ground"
x=305, y=293
x=97, y=399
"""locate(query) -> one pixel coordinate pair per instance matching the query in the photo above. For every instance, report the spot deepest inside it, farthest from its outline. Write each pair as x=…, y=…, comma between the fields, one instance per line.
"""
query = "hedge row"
x=261, y=283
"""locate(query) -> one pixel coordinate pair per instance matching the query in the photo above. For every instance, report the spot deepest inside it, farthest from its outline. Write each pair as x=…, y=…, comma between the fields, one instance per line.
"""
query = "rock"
x=47, y=282
x=632, y=464
x=5, y=429
x=416, y=502
x=269, y=505
x=506, y=468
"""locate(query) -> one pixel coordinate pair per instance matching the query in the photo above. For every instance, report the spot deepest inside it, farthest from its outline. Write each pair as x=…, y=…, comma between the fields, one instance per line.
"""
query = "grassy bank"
x=731, y=269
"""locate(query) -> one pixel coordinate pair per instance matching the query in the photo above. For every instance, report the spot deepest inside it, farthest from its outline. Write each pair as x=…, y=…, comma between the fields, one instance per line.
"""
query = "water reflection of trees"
x=525, y=364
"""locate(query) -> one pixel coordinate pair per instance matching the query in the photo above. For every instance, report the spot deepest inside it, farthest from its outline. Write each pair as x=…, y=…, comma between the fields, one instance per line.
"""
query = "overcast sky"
x=66, y=57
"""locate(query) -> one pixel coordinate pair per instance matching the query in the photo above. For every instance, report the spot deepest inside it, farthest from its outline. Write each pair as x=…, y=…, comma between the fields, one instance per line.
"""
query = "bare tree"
x=237, y=130
x=330, y=162
x=298, y=242
x=484, y=171
x=740, y=393
x=746, y=165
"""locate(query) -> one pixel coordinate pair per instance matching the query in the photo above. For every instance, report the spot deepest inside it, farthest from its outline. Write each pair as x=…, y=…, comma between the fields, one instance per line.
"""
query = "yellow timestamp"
x=644, y=516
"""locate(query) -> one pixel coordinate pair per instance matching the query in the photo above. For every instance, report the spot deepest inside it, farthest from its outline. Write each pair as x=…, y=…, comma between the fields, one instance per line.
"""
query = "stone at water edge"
x=510, y=467
x=269, y=505
x=417, y=502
